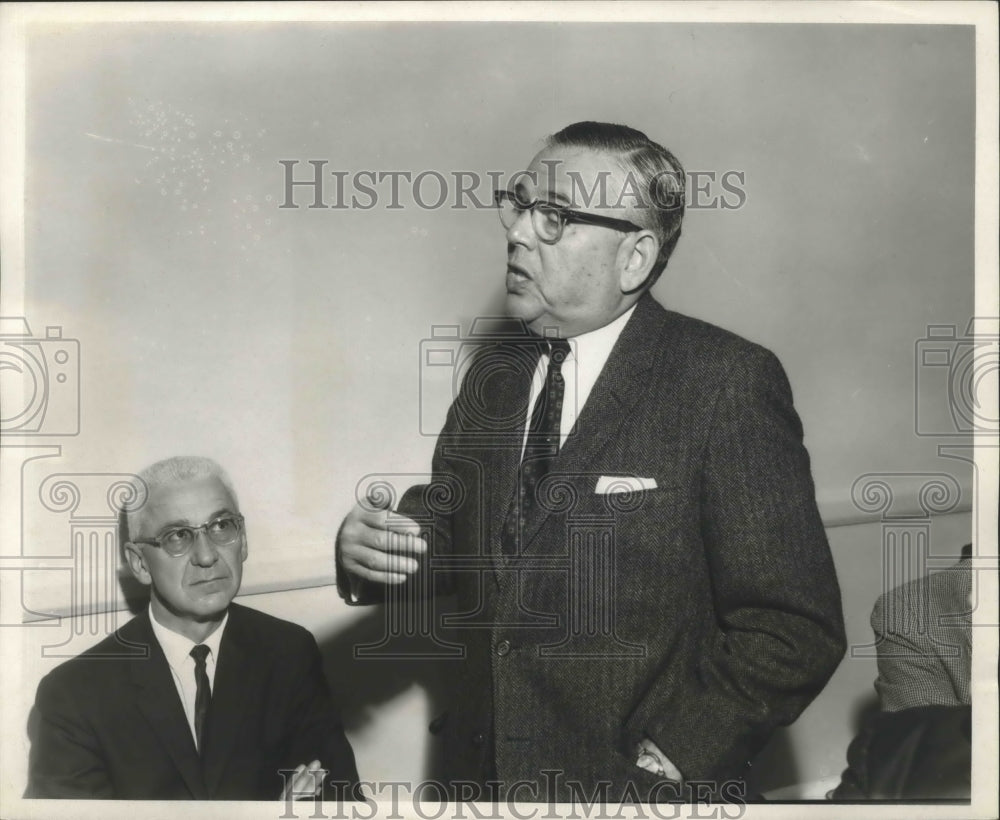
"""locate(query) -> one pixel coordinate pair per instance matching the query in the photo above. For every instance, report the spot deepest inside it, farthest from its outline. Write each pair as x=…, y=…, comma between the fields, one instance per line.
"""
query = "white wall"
x=286, y=342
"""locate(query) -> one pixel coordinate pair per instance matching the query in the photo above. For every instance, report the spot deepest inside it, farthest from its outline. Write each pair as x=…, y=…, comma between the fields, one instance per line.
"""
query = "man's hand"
x=305, y=784
x=650, y=758
x=373, y=550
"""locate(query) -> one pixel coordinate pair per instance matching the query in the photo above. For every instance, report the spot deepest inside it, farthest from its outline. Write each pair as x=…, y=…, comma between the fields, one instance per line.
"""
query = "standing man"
x=632, y=533
x=196, y=698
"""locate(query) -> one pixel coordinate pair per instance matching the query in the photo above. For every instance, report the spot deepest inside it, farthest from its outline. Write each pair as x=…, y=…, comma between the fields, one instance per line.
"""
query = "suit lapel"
x=512, y=392
x=621, y=384
x=158, y=700
x=237, y=683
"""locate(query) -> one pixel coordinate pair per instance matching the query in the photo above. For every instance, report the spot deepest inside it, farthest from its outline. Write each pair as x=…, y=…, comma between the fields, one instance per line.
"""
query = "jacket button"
x=503, y=648
x=478, y=739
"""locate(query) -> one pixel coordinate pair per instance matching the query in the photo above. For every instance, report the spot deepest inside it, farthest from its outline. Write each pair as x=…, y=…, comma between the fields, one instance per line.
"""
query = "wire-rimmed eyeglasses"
x=222, y=531
x=549, y=219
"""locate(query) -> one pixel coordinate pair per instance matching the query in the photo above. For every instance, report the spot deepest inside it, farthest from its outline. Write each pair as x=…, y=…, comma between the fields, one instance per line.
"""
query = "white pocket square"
x=610, y=484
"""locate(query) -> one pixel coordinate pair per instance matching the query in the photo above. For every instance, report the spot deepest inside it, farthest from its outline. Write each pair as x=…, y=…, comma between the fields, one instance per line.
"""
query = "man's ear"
x=639, y=252
x=137, y=564
x=244, y=551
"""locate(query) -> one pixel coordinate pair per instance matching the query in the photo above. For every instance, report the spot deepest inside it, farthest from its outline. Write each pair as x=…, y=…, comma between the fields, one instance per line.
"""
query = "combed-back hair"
x=175, y=470
x=658, y=176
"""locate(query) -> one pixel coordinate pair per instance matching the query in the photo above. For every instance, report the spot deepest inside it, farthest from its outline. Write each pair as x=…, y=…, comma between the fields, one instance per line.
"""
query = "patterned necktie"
x=542, y=445
x=203, y=694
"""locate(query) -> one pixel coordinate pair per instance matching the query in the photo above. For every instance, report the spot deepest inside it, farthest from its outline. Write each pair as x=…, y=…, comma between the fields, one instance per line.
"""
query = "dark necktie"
x=203, y=695
x=542, y=445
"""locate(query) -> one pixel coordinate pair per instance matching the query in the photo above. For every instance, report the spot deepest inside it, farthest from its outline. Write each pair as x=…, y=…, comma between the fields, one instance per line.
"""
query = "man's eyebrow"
x=184, y=522
x=223, y=511
x=551, y=196
x=555, y=196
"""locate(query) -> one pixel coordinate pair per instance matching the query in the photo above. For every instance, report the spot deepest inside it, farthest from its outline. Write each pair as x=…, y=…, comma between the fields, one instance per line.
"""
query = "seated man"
x=196, y=698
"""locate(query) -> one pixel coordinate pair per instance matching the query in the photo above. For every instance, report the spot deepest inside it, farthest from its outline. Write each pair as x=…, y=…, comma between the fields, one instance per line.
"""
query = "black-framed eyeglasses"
x=549, y=219
x=222, y=531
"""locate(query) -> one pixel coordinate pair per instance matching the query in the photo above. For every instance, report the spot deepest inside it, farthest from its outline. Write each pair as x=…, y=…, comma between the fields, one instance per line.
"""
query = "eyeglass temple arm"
x=597, y=219
x=569, y=214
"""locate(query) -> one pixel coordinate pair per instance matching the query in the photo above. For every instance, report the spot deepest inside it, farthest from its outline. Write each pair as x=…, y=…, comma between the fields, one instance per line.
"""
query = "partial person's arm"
x=66, y=759
x=777, y=603
x=910, y=673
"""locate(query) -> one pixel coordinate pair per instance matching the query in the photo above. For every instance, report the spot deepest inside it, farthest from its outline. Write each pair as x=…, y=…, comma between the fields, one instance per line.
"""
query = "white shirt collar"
x=583, y=367
x=594, y=346
x=589, y=352
x=178, y=647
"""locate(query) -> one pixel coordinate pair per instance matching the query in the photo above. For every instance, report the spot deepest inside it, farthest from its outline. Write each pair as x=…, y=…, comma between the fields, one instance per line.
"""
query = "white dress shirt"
x=588, y=354
x=178, y=648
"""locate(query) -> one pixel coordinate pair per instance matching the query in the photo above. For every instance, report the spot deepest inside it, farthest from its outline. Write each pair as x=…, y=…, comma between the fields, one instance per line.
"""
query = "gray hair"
x=175, y=470
x=659, y=174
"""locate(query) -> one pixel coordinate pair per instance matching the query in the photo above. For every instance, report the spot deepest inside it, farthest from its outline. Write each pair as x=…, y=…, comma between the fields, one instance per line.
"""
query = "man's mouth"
x=517, y=270
x=208, y=580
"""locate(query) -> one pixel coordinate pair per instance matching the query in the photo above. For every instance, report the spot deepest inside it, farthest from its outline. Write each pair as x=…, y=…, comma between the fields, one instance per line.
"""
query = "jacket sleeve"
x=66, y=759
x=910, y=672
x=315, y=729
x=780, y=630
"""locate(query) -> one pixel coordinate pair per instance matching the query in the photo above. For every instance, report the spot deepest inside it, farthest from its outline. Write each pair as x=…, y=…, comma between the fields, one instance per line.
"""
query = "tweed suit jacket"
x=111, y=723
x=923, y=633
x=702, y=613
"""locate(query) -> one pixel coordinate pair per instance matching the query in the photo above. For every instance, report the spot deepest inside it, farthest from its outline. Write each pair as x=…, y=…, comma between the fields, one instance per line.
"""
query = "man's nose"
x=521, y=231
x=204, y=553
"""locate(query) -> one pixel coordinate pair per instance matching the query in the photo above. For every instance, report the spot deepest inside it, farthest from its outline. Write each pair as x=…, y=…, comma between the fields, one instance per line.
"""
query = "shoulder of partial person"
x=902, y=596
x=942, y=591
x=931, y=583
x=949, y=587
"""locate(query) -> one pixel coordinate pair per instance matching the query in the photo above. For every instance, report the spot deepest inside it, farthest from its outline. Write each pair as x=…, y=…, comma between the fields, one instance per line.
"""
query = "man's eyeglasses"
x=176, y=541
x=549, y=219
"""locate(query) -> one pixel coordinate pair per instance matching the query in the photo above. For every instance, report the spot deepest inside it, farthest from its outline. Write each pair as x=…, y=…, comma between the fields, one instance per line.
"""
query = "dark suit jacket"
x=111, y=724
x=703, y=613
x=923, y=634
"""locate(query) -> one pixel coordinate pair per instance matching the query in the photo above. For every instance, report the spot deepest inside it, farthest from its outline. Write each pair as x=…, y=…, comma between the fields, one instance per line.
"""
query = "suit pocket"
x=621, y=506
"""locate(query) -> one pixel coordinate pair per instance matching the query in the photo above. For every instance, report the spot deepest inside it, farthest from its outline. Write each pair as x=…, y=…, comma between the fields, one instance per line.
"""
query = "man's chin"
x=523, y=307
x=210, y=611
x=215, y=602
x=202, y=610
